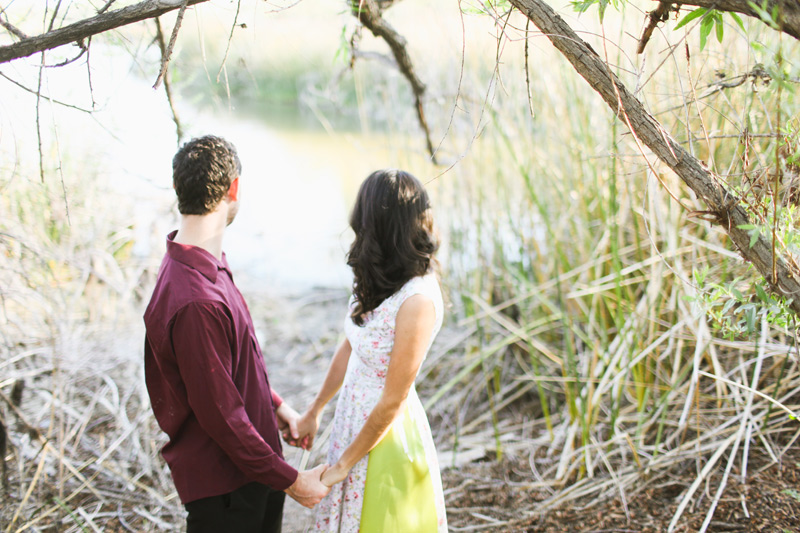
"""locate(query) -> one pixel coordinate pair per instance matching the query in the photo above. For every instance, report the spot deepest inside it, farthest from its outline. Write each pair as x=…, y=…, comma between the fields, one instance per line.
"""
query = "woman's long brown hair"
x=395, y=239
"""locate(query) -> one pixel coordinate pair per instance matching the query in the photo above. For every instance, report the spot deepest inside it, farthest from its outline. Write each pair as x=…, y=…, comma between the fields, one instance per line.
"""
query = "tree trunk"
x=722, y=204
x=85, y=28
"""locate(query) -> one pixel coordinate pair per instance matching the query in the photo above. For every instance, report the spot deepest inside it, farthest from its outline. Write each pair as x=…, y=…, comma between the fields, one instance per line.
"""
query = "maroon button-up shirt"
x=207, y=381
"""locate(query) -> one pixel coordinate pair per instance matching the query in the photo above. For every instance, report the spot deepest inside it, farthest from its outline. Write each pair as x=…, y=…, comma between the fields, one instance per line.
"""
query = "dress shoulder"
x=427, y=285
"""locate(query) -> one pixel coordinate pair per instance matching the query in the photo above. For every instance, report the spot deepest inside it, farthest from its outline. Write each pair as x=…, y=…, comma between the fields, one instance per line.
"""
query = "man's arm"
x=205, y=362
x=203, y=352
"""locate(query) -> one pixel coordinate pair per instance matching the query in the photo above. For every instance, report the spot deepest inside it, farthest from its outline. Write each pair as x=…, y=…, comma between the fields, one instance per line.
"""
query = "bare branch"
x=723, y=206
x=660, y=14
x=162, y=45
x=91, y=26
x=13, y=30
x=38, y=119
x=84, y=49
x=166, y=54
x=53, y=18
x=105, y=7
x=368, y=12
x=230, y=39
x=27, y=89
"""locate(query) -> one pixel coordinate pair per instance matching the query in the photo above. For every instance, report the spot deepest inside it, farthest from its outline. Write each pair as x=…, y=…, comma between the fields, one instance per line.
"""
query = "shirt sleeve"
x=204, y=360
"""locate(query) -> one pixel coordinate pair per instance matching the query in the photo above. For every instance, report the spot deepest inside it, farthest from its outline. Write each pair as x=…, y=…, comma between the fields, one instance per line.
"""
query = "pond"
x=300, y=173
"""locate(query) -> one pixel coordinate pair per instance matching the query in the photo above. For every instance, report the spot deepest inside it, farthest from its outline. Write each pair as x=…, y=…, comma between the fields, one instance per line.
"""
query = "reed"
x=83, y=447
x=588, y=284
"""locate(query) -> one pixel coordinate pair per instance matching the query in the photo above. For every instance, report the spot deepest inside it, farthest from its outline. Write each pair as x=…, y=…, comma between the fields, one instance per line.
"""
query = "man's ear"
x=233, y=190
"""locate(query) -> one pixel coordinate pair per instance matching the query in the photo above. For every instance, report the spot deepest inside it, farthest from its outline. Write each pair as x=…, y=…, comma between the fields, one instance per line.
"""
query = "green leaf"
x=727, y=307
x=495, y=5
x=468, y=9
x=765, y=16
x=581, y=6
x=754, y=237
x=720, y=29
x=705, y=29
x=699, y=12
x=753, y=231
x=700, y=275
x=762, y=295
x=750, y=317
x=343, y=51
x=738, y=21
x=793, y=493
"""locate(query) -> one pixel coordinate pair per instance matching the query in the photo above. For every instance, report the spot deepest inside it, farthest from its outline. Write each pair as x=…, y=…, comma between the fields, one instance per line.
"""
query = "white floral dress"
x=397, y=487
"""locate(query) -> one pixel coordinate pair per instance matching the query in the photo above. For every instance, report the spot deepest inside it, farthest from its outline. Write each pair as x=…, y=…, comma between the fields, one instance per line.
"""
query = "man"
x=204, y=370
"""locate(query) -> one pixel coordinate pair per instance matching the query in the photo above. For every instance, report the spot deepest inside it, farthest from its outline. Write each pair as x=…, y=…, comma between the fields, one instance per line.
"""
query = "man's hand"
x=333, y=475
x=307, y=426
x=308, y=490
x=287, y=423
x=297, y=430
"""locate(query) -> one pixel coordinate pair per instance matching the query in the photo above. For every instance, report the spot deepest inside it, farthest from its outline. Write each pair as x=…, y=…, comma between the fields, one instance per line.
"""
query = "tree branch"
x=91, y=26
x=789, y=11
x=11, y=28
x=655, y=17
x=162, y=45
x=368, y=12
x=167, y=53
x=18, y=84
x=723, y=205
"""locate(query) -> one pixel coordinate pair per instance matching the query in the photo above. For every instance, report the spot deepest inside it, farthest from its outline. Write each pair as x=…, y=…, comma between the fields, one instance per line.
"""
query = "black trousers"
x=254, y=508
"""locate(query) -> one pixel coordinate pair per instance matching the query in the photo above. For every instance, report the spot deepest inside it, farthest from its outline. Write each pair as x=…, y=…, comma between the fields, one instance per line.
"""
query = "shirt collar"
x=196, y=258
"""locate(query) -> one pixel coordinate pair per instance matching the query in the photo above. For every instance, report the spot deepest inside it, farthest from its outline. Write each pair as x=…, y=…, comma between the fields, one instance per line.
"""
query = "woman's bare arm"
x=413, y=328
x=308, y=423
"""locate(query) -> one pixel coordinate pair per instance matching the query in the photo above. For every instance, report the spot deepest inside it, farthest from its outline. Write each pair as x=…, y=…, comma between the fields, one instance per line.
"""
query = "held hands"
x=333, y=475
x=307, y=489
x=305, y=428
x=287, y=423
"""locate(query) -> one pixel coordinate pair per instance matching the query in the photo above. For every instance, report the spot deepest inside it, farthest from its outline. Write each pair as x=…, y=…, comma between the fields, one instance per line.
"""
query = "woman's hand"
x=297, y=430
x=335, y=474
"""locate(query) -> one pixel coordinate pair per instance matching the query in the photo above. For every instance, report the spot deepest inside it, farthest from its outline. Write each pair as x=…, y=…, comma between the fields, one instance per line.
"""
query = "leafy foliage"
x=710, y=19
x=793, y=493
x=486, y=7
x=768, y=16
x=582, y=6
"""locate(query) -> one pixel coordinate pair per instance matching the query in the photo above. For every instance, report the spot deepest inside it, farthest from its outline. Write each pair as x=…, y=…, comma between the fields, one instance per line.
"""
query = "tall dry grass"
x=81, y=445
x=610, y=333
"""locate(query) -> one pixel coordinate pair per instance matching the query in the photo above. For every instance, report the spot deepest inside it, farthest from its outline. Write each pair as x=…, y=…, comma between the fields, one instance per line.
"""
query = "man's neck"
x=203, y=231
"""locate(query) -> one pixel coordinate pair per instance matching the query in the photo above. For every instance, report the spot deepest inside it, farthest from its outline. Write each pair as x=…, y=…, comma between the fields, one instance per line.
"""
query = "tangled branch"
x=782, y=272
x=78, y=31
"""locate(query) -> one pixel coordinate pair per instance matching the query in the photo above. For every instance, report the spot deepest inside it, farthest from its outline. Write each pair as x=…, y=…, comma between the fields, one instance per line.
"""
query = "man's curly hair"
x=202, y=172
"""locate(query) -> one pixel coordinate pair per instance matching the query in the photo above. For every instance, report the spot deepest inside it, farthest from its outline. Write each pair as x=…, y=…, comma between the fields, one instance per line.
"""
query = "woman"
x=384, y=472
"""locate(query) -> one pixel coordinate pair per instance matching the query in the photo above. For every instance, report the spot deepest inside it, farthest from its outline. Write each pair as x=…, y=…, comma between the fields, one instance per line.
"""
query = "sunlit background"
x=583, y=298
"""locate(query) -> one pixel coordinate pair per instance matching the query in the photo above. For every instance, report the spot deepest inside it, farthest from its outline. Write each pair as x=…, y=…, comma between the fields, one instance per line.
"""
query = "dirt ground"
x=497, y=493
